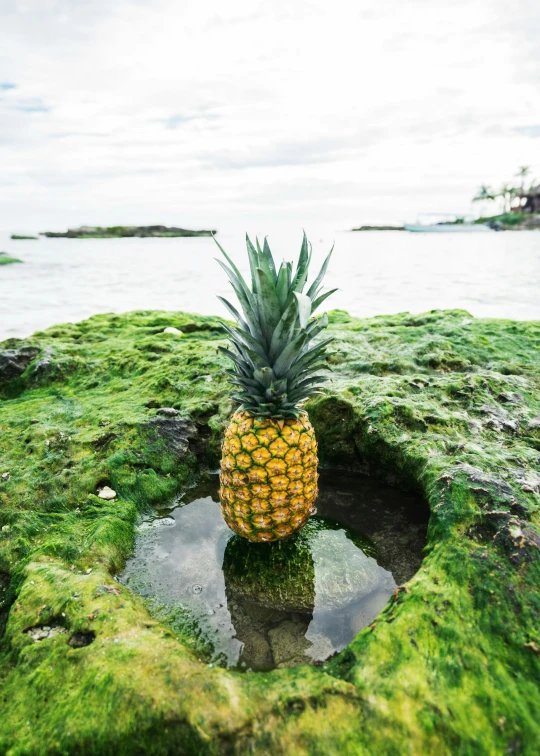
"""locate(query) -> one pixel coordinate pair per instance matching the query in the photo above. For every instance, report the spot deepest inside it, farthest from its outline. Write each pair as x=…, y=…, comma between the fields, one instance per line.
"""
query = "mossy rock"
x=452, y=664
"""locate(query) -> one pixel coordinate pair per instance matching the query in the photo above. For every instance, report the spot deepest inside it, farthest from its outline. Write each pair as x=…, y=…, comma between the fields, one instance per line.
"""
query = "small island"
x=6, y=259
x=379, y=228
x=20, y=237
x=120, y=232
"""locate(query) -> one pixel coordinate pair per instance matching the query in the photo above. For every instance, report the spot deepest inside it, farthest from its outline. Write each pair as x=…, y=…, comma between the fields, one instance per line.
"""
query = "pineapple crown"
x=276, y=366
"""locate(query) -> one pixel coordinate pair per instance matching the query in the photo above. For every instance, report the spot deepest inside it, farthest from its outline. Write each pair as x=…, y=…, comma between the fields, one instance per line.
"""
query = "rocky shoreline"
x=441, y=403
x=512, y=221
x=120, y=232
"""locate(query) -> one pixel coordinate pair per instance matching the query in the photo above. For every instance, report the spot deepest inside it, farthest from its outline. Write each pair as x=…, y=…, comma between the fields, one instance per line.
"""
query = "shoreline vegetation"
x=441, y=403
x=20, y=237
x=520, y=207
x=6, y=259
x=121, y=232
x=512, y=221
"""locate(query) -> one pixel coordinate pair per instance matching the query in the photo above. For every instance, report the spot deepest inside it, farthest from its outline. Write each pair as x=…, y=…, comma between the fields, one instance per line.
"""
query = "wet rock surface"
x=179, y=435
x=13, y=362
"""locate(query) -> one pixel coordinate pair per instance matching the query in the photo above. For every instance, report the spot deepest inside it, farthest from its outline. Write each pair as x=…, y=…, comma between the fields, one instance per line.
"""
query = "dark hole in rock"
x=79, y=640
x=299, y=601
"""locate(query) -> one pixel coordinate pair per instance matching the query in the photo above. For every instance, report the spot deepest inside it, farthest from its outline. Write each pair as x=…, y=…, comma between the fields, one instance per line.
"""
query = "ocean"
x=495, y=275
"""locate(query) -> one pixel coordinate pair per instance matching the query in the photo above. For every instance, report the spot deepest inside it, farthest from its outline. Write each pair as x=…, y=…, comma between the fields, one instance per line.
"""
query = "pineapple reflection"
x=301, y=600
x=270, y=591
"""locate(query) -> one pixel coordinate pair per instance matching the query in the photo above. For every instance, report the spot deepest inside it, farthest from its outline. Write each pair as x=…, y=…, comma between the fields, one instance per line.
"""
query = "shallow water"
x=260, y=606
x=491, y=275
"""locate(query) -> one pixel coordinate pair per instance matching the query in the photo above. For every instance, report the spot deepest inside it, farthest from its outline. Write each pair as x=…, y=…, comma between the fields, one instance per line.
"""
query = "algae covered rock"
x=452, y=663
x=120, y=232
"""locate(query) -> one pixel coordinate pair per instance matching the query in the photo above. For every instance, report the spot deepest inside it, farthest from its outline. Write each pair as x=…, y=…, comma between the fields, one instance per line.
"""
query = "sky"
x=251, y=114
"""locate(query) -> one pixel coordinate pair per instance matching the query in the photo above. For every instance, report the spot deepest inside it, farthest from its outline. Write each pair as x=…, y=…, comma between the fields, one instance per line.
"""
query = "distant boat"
x=446, y=228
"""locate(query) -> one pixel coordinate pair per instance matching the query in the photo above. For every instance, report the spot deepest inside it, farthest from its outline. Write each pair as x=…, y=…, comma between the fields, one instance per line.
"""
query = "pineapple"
x=268, y=480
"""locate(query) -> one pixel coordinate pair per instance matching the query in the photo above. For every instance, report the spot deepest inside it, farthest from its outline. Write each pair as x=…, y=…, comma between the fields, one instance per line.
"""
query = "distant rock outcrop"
x=118, y=232
x=379, y=228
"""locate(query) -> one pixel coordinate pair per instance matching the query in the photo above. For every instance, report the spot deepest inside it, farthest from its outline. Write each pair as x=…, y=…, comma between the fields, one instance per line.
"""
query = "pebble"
x=173, y=330
x=40, y=633
x=167, y=411
x=107, y=493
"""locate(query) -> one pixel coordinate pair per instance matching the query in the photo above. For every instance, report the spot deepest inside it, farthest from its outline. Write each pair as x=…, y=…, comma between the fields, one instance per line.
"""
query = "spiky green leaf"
x=289, y=354
x=304, y=308
x=269, y=309
x=318, y=302
x=317, y=282
x=276, y=364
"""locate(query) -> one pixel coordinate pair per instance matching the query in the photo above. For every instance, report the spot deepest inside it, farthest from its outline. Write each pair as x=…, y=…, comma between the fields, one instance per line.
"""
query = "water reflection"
x=306, y=597
x=260, y=606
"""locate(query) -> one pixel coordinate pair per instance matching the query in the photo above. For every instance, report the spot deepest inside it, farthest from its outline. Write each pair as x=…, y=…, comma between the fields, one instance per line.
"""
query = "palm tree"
x=507, y=193
x=484, y=194
x=522, y=173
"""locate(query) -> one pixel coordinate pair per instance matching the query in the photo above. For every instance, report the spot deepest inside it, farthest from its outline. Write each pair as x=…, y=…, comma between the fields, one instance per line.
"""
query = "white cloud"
x=313, y=113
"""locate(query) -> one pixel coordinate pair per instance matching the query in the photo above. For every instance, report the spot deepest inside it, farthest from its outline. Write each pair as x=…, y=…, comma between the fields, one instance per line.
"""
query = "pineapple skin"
x=268, y=478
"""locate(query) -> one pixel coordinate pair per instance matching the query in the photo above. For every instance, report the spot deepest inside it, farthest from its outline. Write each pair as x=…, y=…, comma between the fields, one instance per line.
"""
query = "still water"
x=490, y=275
x=261, y=606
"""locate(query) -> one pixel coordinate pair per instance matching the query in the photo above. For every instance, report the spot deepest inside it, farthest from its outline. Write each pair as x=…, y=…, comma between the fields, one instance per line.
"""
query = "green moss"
x=442, y=402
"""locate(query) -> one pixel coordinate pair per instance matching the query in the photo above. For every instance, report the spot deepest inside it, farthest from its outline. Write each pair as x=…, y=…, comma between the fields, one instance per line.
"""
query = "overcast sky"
x=214, y=114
